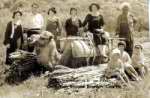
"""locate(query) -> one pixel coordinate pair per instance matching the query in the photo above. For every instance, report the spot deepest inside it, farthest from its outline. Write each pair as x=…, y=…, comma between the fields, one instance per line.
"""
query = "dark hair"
x=16, y=12
x=35, y=5
x=53, y=9
x=71, y=9
x=122, y=43
x=94, y=4
x=138, y=46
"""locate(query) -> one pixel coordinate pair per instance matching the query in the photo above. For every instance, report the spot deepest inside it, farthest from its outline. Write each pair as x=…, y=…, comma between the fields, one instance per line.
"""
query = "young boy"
x=138, y=60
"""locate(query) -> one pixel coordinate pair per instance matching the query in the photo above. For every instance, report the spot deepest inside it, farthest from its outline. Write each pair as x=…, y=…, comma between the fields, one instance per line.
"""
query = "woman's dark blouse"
x=94, y=22
x=18, y=33
x=72, y=27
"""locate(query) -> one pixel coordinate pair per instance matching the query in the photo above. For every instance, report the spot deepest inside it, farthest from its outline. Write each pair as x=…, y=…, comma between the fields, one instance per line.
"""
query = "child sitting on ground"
x=125, y=58
x=116, y=69
x=138, y=60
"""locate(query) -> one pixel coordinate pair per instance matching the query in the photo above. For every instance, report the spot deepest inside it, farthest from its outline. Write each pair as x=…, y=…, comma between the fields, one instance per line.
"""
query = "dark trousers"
x=129, y=47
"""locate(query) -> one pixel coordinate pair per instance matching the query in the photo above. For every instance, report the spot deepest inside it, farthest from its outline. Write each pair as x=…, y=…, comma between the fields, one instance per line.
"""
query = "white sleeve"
x=40, y=20
x=142, y=59
x=128, y=59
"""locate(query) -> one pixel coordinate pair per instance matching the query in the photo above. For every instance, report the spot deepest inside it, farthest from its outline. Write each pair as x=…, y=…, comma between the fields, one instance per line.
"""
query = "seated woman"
x=13, y=35
x=138, y=60
x=73, y=23
x=125, y=58
x=94, y=22
x=116, y=68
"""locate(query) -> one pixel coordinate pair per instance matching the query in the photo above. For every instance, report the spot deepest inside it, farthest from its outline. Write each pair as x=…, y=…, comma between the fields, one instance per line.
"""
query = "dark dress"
x=13, y=40
x=52, y=26
x=94, y=22
x=72, y=27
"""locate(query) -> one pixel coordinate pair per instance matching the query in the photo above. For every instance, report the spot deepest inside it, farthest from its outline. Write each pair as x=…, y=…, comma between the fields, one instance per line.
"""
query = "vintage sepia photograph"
x=75, y=49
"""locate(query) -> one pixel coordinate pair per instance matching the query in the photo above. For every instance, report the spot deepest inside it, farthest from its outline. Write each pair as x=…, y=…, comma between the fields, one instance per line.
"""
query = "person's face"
x=137, y=50
x=51, y=13
x=34, y=9
x=17, y=16
x=125, y=10
x=94, y=8
x=121, y=47
x=73, y=13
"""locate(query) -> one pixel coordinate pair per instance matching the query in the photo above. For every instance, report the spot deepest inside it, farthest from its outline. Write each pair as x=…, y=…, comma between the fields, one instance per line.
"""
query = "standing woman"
x=125, y=27
x=13, y=35
x=53, y=23
x=94, y=21
x=73, y=23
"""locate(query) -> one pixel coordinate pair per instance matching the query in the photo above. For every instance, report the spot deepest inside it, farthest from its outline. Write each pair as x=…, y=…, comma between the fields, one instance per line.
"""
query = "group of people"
x=17, y=32
x=124, y=67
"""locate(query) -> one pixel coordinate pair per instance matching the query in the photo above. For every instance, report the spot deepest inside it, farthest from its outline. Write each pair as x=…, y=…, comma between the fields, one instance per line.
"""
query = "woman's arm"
x=102, y=21
x=22, y=39
x=59, y=26
x=86, y=20
x=128, y=59
x=67, y=23
x=80, y=28
x=7, y=34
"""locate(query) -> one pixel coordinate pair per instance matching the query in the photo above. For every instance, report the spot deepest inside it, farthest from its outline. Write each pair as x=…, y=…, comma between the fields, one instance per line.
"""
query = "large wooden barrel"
x=80, y=46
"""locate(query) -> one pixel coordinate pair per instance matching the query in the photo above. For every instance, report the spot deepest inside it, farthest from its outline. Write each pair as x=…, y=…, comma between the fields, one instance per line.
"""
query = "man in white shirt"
x=34, y=23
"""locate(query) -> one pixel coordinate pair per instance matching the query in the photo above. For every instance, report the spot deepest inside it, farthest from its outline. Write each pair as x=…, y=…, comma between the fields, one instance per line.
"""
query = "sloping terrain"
x=35, y=87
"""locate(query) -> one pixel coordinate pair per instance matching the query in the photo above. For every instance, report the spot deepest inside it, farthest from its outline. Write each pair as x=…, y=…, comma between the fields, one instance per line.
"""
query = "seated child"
x=138, y=60
x=125, y=58
x=116, y=69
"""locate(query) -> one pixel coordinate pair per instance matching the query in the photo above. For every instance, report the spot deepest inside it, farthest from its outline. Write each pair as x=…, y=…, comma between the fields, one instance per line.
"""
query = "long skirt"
x=12, y=48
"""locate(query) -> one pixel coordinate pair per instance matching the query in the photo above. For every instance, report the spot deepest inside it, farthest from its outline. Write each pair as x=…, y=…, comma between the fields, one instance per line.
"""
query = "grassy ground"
x=35, y=87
